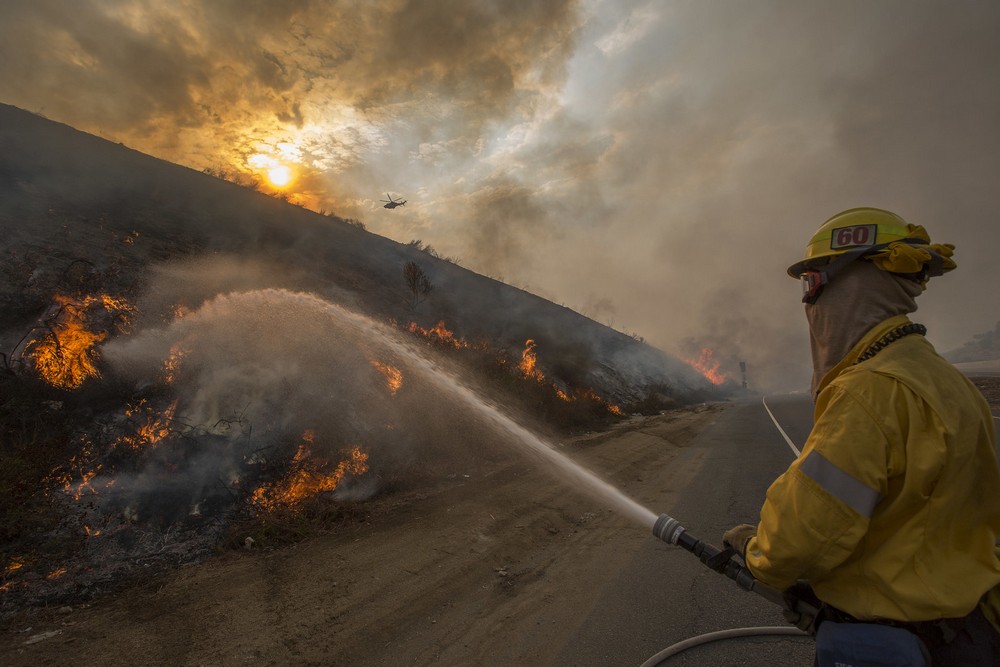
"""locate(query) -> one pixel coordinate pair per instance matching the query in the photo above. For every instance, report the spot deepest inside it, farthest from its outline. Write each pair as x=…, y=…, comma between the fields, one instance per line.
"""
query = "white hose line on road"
x=721, y=634
x=780, y=430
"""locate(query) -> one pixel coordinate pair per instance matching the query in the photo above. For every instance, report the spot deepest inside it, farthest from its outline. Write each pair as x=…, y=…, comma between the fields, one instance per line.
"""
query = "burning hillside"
x=161, y=380
x=254, y=404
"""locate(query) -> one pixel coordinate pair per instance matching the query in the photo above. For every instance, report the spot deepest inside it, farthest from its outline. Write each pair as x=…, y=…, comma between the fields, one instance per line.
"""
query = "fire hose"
x=729, y=564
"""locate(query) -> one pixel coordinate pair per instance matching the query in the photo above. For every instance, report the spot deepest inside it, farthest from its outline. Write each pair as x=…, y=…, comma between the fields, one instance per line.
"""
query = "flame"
x=65, y=355
x=591, y=395
x=529, y=368
x=110, y=303
x=153, y=426
x=13, y=566
x=529, y=360
x=440, y=334
x=91, y=532
x=393, y=376
x=83, y=486
x=306, y=480
x=56, y=573
x=172, y=364
x=76, y=475
x=708, y=366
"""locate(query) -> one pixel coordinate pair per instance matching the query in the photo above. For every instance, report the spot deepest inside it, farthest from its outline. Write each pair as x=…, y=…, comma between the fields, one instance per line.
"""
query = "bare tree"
x=417, y=283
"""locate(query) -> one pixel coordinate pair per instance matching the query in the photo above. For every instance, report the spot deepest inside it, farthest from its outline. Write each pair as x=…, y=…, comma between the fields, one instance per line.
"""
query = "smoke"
x=254, y=371
x=665, y=161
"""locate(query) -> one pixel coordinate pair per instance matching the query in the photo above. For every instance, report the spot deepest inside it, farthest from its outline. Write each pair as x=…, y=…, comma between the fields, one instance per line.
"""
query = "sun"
x=279, y=176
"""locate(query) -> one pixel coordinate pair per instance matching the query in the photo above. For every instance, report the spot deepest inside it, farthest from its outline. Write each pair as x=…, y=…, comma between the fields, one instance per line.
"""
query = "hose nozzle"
x=671, y=531
x=668, y=529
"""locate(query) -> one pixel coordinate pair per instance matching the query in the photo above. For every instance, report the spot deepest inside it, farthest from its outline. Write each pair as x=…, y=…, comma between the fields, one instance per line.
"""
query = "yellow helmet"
x=886, y=239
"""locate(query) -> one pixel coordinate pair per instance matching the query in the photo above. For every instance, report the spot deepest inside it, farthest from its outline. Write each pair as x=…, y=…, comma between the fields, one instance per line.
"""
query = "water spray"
x=664, y=527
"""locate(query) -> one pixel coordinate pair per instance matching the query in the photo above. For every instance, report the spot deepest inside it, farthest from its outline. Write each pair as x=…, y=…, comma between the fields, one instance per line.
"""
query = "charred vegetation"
x=175, y=379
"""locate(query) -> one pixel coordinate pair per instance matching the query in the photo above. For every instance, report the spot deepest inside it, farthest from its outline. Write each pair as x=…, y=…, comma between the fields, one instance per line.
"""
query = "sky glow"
x=655, y=165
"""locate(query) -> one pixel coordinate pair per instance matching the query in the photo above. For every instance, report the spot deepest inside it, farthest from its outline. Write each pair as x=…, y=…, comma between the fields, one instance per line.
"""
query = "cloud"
x=639, y=23
x=671, y=160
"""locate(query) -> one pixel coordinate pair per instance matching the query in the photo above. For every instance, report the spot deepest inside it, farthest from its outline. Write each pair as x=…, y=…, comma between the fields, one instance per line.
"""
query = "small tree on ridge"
x=417, y=282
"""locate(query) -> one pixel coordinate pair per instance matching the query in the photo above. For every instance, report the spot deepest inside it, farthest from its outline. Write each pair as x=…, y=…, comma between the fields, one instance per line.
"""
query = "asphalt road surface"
x=666, y=595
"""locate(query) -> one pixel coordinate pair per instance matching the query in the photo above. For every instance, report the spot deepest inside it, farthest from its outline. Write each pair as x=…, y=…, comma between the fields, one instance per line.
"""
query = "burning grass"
x=708, y=366
x=308, y=476
x=300, y=503
x=520, y=374
x=65, y=354
x=102, y=479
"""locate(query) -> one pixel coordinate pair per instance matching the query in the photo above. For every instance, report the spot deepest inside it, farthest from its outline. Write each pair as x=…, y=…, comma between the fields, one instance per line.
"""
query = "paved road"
x=666, y=595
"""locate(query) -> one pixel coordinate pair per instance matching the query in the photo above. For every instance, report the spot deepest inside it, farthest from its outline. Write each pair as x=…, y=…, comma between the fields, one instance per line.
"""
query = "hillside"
x=182, y=355
x=70, y=196
x=982, y=347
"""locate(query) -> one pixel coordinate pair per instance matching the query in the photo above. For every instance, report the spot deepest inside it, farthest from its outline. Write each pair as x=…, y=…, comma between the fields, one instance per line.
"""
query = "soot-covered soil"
x=490, y=562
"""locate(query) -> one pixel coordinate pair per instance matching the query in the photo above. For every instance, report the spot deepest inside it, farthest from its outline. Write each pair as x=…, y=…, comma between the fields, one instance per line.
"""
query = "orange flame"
x=56, y=573
x=393, y=376
x=172, y=364
x=306, y=479
x=65, y=355
x=529, y=361
x=708, y=367
x=83, y=486
x=153, y=426
x=591, y=395
x=529, y=368
x=76, y=475
x=13, y=566
x=440, y=334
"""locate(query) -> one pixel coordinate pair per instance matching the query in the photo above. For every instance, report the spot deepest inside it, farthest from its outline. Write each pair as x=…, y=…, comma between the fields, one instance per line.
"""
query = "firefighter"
x=890, y=516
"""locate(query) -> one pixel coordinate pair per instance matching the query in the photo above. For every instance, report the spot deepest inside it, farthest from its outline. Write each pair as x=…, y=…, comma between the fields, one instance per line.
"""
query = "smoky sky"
x=656, y=165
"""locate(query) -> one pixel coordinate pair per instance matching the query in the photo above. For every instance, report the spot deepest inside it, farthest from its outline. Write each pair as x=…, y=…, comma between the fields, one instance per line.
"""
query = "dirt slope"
x=489, y=567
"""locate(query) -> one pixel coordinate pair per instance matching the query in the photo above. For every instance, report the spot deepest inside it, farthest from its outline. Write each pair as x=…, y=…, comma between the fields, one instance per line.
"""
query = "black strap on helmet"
x=935, y=267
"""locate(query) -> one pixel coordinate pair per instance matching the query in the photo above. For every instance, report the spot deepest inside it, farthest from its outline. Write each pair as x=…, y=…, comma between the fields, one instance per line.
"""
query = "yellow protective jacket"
x=893, y=508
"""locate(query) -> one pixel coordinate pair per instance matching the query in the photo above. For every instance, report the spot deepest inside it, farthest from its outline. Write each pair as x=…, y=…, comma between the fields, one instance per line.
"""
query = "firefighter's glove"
x=738, y=536
x=803, y=622
x=801, y=606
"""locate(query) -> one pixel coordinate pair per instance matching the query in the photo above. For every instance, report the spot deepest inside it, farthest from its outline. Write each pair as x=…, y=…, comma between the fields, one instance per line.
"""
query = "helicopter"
x=392, y=203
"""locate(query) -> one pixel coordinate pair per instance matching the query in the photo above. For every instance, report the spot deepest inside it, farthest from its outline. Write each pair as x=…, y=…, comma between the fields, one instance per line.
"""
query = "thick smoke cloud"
x=257, y=372
x=657, y=165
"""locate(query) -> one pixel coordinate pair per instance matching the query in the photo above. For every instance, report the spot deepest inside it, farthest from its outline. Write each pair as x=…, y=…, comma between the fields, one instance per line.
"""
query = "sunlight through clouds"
x=657, y=141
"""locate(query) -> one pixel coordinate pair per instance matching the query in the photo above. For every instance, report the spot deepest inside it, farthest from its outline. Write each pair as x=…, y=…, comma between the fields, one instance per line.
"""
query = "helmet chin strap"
x=844, y=260
x=827, y=272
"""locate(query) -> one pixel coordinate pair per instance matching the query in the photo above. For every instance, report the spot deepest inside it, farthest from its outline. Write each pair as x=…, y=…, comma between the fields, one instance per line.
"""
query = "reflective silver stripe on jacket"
x=857, y=495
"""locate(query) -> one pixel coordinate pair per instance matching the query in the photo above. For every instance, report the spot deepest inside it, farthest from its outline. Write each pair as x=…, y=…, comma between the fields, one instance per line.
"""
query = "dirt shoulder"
x=490, y=566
